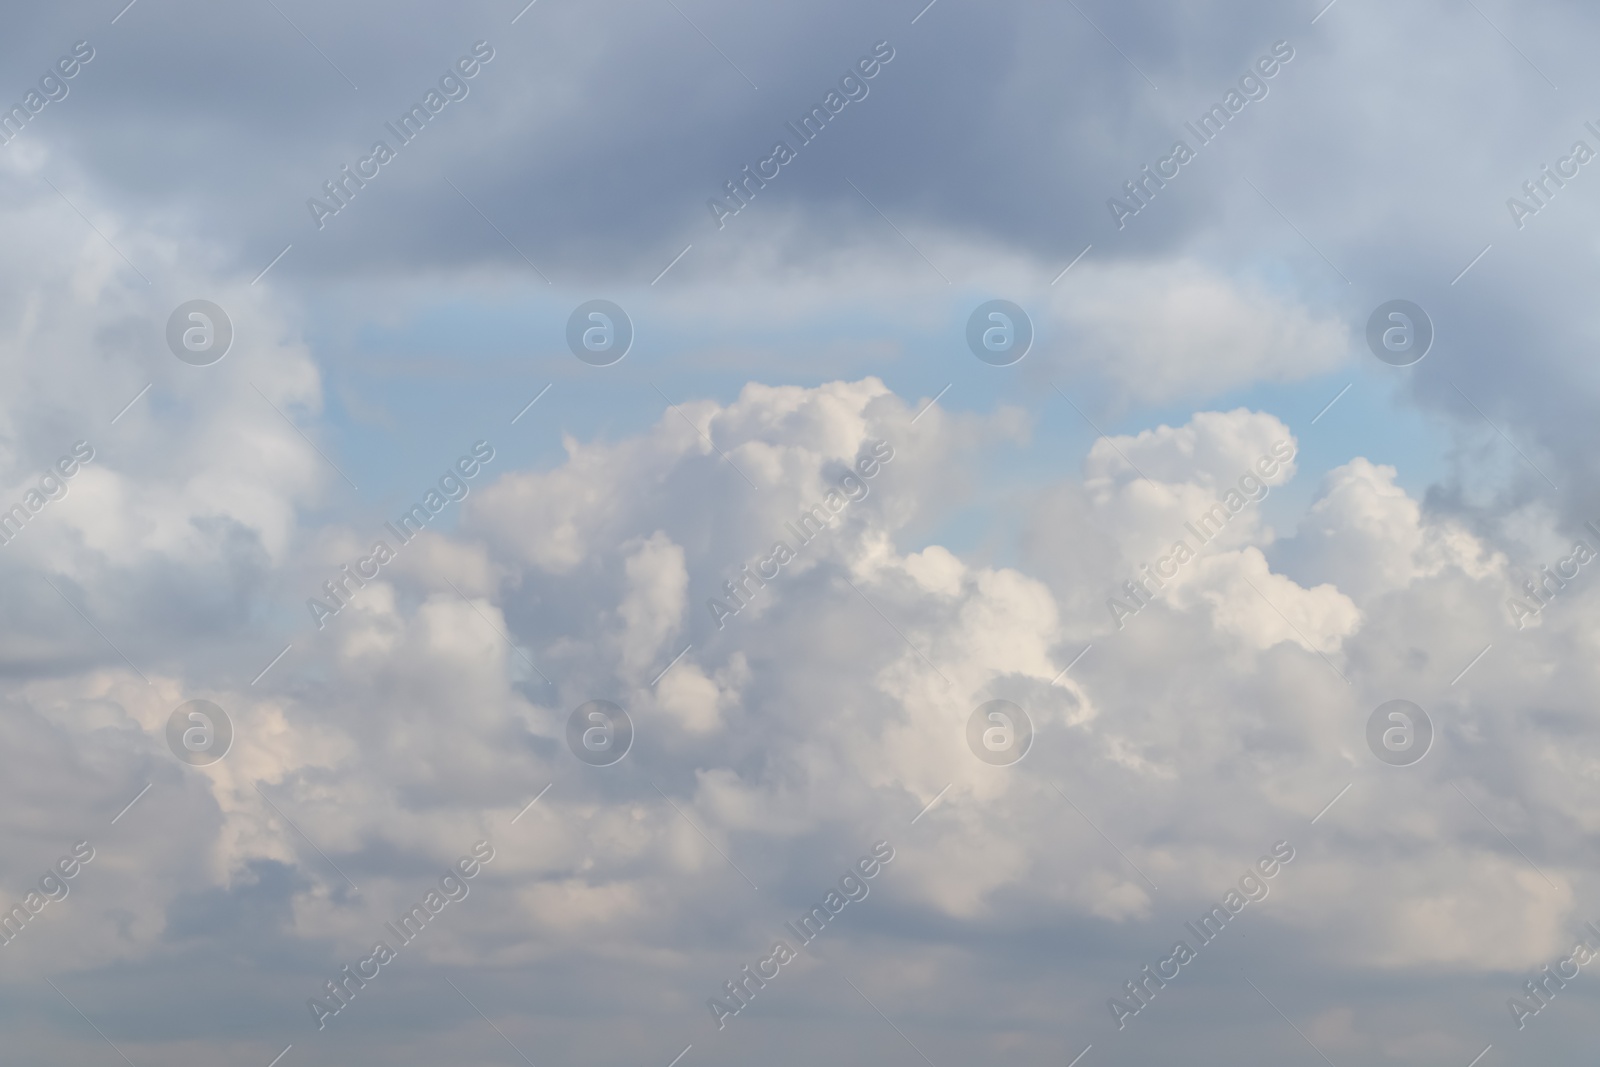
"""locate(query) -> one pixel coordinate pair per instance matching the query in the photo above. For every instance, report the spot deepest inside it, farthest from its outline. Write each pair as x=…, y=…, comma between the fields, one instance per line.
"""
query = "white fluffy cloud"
x=833, y=709
x=774, y=744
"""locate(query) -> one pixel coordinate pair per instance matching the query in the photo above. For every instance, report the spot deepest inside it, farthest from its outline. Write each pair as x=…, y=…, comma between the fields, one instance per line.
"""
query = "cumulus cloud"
x=621, y=545
x=1369, y=538
x=836, y=713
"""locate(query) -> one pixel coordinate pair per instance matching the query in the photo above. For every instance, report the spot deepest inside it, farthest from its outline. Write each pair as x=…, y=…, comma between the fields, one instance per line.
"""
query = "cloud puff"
x=1365, y=535
x=1176, y=328
x=834, y=715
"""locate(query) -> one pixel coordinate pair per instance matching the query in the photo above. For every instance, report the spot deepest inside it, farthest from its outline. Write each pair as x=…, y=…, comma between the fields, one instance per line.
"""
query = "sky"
x=392, y=676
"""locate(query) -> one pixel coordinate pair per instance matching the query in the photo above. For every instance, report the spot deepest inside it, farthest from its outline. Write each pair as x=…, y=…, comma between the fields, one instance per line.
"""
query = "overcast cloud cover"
x=1185, y=731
